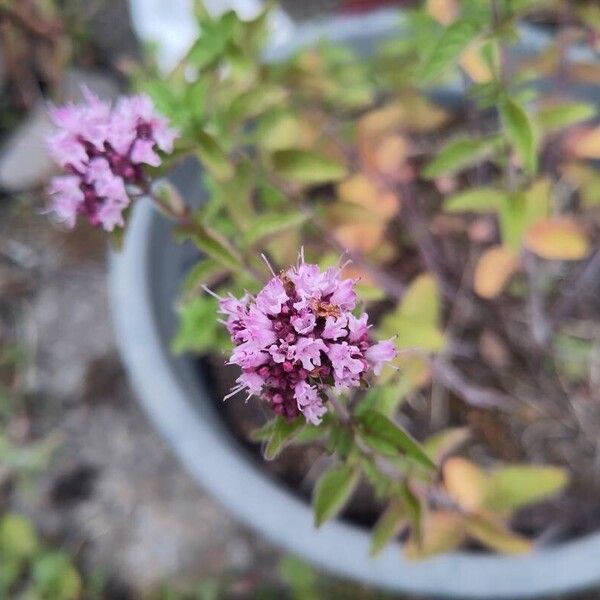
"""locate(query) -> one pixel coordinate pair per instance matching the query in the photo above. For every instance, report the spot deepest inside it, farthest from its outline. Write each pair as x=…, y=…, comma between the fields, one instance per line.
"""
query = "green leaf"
x=201, y=273
x=272, y=224
x=520, y=132
x=213, y=39
x=444, y=442
x=574, y=357
x=376, y=426
x=458, y=155
x=264, y=432
x=495, y=535
x=283, y=433
x=479, y=200
x=18, y=539
x=304, y=166
x=213, y=157
x=277, y=130
x=169, y=198
x=564, y=115
x=444, y=55
x=214, y=245
x=300, y=577
x=55, y=577
x=416, y=320
x=388, y=526
x=198, y=326
x=236, y=194
x=514, y=486
x=512, y=220
x=333, y=490
x=414, y=510
x=255, y=101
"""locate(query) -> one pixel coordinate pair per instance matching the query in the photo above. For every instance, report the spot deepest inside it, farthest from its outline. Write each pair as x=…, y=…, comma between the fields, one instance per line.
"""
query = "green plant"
x=462, y=226
x=31, y=571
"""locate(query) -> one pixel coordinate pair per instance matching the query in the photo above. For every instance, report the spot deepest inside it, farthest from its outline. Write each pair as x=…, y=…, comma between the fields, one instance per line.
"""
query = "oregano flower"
x=102, y=150
x=298, y=339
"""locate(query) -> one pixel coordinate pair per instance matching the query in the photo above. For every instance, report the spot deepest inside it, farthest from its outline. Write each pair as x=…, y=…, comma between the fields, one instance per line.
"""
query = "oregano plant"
x=400, y=281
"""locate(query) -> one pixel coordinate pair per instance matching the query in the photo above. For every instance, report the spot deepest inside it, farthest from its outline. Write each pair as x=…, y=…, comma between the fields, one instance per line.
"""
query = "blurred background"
x=89, y=493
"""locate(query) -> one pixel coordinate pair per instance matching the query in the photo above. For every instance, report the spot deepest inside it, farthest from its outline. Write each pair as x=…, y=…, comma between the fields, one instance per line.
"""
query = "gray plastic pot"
x=144, y=281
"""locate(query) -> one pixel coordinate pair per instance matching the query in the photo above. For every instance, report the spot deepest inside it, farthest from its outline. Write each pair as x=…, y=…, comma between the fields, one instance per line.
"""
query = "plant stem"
x=418, y=229
x=185, y=219
x=474, y=395
x=585, y=277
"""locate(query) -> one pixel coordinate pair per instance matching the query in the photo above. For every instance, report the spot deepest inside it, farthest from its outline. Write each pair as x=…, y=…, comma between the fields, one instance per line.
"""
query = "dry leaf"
x=360, y=237
x=443, y=11
x=557, y=238
x=584, y=143
x=494, y=268
x=465, y=482
x=390, y=154
x=494, y=534
x=362, y=191
x=442, y=531
x=475, y=66
x=494, y=350
x=381, y=121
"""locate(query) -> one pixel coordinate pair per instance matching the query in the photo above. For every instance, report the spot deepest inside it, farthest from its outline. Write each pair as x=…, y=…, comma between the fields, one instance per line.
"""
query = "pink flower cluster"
x=102, y=150
x=298, y=338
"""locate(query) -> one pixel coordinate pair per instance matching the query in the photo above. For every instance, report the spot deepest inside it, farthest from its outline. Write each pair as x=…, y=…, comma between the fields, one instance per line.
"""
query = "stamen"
x=209, y=291
x=268, y=264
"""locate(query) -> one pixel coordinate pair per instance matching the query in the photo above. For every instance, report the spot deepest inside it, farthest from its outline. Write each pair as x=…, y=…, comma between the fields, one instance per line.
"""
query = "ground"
x=113, y=491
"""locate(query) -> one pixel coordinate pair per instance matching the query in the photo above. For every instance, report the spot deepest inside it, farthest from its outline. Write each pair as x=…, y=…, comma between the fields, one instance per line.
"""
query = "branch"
x=480, y=397
x=573, y=290
x=541, y=329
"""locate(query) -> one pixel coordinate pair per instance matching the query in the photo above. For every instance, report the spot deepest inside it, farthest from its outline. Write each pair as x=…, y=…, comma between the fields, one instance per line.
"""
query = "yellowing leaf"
x=303, y=166
x=446, y=441
x=557, y=238
x=495, y=535
x=278, y=130
x=493, y=271
x=585, y=144
x=442, y=531
x=390, y=154
x=381, y=121
x=362, y=191
x=514, y=486
x=585, y=179
x=479, y=200
x=556, y=116
x=465, y=482
x=443, y=11
x=475, y=65
x=360, y=237
x=416, y=319
x=421, y=301
x=538, y=200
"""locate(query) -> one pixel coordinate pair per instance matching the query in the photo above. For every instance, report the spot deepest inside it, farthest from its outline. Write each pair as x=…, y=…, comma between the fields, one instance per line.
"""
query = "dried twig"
x=472, y=394
x=583, y=279
x=539, y=324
